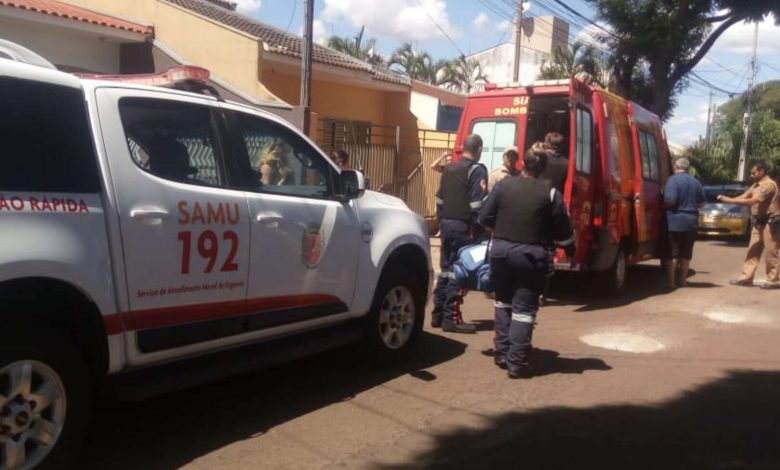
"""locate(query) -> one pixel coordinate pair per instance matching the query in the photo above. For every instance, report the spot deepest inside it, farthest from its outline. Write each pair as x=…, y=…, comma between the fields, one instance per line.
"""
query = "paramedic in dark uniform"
x=461, y=195
x=526, y=215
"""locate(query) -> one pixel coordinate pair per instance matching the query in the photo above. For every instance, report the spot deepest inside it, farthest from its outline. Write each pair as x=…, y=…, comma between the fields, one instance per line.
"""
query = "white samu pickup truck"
x=152, y=238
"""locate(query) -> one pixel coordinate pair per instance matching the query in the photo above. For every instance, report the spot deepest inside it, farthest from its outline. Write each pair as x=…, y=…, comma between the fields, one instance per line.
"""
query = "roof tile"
x=282, y=42
x=72, y=12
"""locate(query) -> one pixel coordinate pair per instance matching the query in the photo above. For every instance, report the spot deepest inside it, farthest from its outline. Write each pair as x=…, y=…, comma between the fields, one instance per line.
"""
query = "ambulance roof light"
x=170, y=78
x=502, y=86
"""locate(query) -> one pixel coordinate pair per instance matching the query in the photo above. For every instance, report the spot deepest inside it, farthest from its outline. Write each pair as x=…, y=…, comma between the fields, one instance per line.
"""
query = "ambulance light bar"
x=174, y=76
x=502, y=86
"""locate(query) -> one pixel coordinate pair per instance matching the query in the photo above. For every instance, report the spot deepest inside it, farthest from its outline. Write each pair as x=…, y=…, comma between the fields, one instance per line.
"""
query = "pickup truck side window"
x=172, y=140
x=281, y=162
x=46, y=142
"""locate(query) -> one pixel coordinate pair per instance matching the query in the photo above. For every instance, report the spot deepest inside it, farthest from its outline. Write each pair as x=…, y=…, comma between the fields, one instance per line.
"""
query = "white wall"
x=62, y=46
x=498, y=63
x=425, y=108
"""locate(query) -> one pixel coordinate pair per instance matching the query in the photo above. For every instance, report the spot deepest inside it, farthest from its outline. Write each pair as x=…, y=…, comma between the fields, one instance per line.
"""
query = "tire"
x=56, y=371
x=394, y=323
x=612, y=282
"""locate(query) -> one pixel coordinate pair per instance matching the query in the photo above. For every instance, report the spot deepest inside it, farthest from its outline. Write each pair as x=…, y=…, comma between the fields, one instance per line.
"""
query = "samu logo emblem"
x=312, y=247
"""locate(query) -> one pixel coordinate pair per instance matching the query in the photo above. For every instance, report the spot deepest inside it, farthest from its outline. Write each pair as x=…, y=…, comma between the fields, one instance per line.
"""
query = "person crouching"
x=526, y=215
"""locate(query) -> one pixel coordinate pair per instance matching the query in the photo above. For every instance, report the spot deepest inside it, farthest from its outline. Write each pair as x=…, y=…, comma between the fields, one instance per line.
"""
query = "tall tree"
x=418, y=65
x=356, y=48
x=462, y=74
x=656, y=43
x=576, y=61
x=719, y=159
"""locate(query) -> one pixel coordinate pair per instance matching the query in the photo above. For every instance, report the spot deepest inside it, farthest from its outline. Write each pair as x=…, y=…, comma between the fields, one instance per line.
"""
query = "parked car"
x=618, y=164
x=717, y=219
x=141, y=253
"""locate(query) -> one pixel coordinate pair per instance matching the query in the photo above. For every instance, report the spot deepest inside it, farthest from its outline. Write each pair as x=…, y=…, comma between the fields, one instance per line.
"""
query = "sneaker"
x=451, y=327
x=741, y=282
x=770, y=286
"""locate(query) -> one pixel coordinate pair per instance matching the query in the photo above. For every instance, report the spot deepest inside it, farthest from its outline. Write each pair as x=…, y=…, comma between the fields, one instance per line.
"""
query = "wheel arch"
x=61, y=306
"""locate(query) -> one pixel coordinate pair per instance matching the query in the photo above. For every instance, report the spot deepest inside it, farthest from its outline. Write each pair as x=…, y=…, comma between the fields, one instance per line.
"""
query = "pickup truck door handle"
x=149, y=213
x=269, y=217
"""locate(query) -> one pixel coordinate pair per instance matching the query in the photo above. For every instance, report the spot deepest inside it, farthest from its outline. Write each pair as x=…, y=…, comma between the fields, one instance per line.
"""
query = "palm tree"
x=355, y=47
x=418, y=65
x=462, y=74
x=577, y=61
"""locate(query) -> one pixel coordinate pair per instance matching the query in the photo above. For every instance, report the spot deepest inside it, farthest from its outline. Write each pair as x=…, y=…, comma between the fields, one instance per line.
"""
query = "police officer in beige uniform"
x=763, y=197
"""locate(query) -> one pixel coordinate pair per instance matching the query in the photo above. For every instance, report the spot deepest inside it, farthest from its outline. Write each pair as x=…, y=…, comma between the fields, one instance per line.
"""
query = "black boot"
x=452, y=327
x=436, y=319
x=522, y=372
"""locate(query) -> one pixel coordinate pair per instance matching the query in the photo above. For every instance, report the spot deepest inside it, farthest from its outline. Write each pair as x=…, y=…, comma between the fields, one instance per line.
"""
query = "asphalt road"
x=687, y=379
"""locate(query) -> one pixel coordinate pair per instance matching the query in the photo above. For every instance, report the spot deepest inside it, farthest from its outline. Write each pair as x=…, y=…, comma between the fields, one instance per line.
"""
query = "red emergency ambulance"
x=618, y=164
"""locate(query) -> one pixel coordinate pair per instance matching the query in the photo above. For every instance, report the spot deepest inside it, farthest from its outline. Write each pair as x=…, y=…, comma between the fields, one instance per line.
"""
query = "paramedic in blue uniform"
x=461, y=194
x=518, y=255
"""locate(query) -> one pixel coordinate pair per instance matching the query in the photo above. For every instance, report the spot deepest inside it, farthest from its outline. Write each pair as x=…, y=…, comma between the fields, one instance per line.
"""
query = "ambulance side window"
x=278, y=161
x=171, y=140
x=584, y=141
x=649, y=153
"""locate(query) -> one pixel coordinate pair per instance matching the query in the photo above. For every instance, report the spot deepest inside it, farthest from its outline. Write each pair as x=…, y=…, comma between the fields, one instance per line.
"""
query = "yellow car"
x=724, y=220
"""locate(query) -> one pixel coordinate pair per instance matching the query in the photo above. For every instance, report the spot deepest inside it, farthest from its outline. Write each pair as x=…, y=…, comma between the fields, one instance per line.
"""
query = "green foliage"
x=719, y=160
x=577, y=61
x=418, y=65
x=356, y=48
x=654, y=44
x=462, y=75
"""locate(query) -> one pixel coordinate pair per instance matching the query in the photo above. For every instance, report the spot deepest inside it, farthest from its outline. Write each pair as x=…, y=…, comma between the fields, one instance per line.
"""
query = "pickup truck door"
x=305, y=242
x=184, y=236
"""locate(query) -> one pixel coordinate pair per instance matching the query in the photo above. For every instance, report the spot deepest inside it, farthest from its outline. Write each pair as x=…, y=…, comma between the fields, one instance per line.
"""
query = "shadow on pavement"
x=548, y=362
x=643, y=281
x=170, y=431
x=732, y=423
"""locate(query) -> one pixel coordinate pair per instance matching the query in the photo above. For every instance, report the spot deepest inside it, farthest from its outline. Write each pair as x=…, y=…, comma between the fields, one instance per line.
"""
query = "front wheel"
x=395, y=321
x=44, y=400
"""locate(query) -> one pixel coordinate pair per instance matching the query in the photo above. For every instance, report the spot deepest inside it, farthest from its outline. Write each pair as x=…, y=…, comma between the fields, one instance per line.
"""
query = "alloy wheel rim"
x=32, y=413
x=396, y=317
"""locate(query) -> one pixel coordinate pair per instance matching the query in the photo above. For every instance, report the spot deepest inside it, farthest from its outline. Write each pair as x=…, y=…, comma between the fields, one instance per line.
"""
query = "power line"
x=580, y=15
x=440, y=28
x=696, y=77
x=292, y=15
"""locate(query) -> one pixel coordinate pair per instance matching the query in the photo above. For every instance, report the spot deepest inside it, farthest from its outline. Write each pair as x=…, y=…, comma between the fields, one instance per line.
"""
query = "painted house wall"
x=229, y=54
x=62, y=46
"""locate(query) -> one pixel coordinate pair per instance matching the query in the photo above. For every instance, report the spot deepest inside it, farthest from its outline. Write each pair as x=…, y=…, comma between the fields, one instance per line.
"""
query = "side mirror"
x=353, y=184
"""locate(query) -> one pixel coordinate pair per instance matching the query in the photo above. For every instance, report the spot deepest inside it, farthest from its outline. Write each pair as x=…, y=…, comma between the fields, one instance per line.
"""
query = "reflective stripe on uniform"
x=498, y=304
x=476, y=204
x=447, y=275
x=523, y=317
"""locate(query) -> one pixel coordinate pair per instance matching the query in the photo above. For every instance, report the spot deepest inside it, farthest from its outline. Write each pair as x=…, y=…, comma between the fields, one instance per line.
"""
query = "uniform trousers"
x=518, y=272
x=763, y=236
x=448, y=294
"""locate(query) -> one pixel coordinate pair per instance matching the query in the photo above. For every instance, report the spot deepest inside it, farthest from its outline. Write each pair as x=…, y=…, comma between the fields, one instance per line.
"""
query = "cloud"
x=503, y=25
x=408, y=20
x=481, y=21
x=738, y=39
x=247, y=7
x=319, y=32
x=591, y=34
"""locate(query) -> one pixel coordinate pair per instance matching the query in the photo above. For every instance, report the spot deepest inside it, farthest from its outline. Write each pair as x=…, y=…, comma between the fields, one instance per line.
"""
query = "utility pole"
x=306, y=55
x=709, y=126
x=518, y=36
x=746, y=118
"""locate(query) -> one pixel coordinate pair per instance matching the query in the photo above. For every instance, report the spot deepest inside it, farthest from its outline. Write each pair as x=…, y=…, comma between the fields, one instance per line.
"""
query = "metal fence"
x=376, y=151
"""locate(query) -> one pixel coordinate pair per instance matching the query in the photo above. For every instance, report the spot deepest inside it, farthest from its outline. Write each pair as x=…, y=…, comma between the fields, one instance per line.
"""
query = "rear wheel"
x=395, y=321
x=613, y=281
x=44, y=400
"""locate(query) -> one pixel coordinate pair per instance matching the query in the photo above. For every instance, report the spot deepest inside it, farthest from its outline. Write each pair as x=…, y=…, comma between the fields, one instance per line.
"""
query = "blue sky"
x=475, y=25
